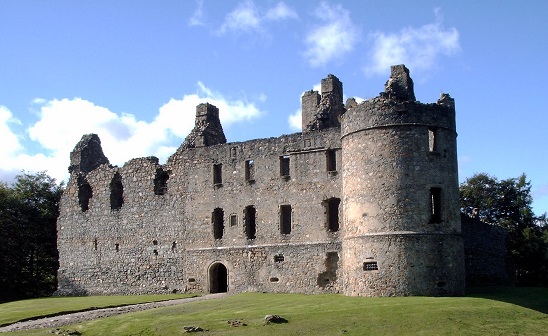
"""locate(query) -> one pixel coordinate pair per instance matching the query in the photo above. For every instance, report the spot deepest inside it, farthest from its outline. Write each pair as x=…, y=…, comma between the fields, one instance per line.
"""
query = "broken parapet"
x=87, y=155
x=321, y=112
x=400, y=85
x=207, y=130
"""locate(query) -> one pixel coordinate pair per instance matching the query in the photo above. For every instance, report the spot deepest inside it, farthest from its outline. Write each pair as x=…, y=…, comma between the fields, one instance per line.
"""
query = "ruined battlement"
x=363, y=201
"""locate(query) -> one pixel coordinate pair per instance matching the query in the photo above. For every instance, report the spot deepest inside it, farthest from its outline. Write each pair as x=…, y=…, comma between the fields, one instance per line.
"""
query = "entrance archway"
x=218, y=278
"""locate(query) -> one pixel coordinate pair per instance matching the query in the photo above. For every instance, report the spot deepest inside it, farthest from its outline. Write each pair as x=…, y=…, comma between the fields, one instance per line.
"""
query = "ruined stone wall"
x=369, y=207
x=485, y=254
x=164, y=243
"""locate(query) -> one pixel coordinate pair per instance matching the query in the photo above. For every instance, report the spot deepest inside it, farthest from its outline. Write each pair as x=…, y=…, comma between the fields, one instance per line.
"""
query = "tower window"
x=432, y=141
x=249, y=222
x=250, y=171
x=285, y=219
x=217, y=218
x=332, y=213
x=218, y=173
x=331, y=160
x=370, y=266
x=435, y=205
x=284, y=166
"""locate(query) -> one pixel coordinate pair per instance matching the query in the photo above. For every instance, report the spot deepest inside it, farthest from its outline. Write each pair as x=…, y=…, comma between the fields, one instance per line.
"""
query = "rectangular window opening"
x=432, y=141
x=249, y=222
x=435, y=205
x=233, y=220
x=218, y=173
x=331, y=160
x=285, y=219
x=332, y=214
x=250, y=171
x=284, y=166
x=218, y=223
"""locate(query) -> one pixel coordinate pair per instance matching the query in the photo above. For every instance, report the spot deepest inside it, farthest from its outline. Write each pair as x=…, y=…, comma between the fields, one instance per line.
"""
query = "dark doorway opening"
x=218, y=278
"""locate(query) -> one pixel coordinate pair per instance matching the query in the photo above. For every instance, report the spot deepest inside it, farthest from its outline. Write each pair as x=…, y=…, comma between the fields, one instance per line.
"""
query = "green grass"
x=20, y=310
x=493, y=311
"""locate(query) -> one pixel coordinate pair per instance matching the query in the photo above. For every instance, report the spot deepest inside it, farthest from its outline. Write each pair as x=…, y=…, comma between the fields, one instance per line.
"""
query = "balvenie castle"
x=364, y=201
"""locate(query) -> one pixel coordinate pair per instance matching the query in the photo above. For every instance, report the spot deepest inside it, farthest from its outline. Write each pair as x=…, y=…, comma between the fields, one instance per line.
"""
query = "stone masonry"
x=364, y=201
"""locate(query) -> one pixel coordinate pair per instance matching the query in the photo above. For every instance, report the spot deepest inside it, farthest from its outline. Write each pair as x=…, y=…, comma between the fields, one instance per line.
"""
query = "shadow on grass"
x=535, y=298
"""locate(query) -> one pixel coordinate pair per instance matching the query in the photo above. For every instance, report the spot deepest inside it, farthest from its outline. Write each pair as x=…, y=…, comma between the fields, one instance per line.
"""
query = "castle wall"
x=366, y=206
x=163, y=243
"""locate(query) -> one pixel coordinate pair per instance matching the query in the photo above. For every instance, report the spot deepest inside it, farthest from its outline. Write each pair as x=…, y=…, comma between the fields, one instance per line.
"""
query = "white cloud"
x=333, y=39
x=197, y=18
x=417, y=48
x=246, y=17
x=295, y=120
x=280, y=12
x=10, y=143
x=123, y=137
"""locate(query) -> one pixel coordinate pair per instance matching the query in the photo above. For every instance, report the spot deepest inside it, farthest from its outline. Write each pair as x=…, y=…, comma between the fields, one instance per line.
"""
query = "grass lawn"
x=19, y=310
x=492, y=311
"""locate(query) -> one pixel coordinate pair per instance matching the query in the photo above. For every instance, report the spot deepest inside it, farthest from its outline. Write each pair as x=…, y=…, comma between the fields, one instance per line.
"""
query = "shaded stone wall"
x=485, y=254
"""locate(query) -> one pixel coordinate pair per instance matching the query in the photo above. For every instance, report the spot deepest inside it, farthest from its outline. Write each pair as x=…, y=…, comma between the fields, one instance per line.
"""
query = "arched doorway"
x=218, y=278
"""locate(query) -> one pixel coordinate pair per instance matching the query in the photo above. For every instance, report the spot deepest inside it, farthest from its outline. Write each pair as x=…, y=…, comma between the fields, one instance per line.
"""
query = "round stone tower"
x=401, y=232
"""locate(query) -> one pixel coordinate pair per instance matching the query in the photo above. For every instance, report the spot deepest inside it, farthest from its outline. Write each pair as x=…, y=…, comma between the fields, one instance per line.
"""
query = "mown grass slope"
x=500, y=311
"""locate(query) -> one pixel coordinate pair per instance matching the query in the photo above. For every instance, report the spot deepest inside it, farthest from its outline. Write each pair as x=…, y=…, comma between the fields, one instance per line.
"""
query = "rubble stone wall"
x=364, y=201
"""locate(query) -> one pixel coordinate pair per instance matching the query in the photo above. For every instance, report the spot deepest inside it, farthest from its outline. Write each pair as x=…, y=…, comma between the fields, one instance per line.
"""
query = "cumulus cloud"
x=334, y=38
x=246, y=17
x=63, y=122
x=295, y=121
x=197, y=18
x=418, y=48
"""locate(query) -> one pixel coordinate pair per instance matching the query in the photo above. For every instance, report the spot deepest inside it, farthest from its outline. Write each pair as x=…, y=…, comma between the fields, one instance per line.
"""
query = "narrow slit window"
x=332, y=214
x=117, y=247
x=435, y=205
x=250, y=222
x=432, y=140
x=116, y=192
x=250, y=170
x=285, y=219
x=331, y=160
x=218, y=223
x=284, y=166
x=218, y=173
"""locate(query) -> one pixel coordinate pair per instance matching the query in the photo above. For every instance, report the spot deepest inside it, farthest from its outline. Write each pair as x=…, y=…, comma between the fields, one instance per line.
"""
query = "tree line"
x=28, y=236
x=507, y=203
x=29, y=209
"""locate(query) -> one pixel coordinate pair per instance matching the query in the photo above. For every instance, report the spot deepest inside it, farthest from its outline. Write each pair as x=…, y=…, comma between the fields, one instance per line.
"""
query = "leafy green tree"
x=507, y=203
x=28, y=215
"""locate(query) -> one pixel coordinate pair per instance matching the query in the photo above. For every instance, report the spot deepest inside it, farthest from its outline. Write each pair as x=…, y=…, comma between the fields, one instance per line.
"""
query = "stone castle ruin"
x=364, y=201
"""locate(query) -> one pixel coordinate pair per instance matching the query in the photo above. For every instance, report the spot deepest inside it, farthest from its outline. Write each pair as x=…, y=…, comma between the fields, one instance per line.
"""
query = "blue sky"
x=133, y=72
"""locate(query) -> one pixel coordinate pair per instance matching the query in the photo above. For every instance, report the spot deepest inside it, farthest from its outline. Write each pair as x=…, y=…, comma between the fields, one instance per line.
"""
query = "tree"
x=28, y=215
x=507, y=203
